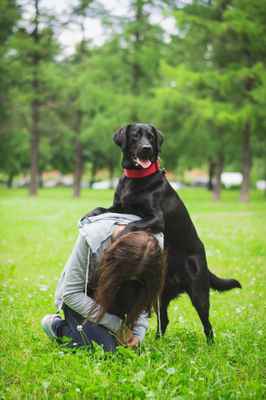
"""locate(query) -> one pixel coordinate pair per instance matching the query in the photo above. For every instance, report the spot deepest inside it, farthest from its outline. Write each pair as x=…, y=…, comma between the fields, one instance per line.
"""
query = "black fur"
x=162, y=210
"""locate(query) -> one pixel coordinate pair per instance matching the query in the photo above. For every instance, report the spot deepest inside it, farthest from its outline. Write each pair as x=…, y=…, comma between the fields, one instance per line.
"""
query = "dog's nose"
x=146, y=151
x=146, y=147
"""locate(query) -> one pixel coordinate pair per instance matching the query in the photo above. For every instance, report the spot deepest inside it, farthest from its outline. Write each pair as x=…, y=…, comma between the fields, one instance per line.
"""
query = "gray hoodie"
x=94, y=236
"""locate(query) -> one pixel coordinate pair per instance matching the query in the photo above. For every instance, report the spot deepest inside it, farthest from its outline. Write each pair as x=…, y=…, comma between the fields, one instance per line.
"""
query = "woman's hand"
x=124, y=335
x=133, y=341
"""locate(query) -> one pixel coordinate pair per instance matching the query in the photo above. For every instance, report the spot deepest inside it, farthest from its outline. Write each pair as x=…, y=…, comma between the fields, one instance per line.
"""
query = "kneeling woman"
x=109, y=284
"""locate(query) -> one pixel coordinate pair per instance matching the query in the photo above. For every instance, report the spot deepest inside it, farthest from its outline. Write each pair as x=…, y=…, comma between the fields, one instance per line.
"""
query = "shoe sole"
x=47, y=330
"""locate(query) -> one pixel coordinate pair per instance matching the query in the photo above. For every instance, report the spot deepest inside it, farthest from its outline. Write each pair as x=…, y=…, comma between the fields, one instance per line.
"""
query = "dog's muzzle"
x=145, y=152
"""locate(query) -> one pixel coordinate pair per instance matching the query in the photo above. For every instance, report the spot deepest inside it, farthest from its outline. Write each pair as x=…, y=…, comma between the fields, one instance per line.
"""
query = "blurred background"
x=73, y=71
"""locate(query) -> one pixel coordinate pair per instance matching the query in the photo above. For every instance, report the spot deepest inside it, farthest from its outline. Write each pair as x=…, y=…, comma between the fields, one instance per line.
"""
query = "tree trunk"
x=265, y=179
x=79, y=163
x=211, y=171
x=40, y=180
x=217, y=185
x=35, y=107
x=9, y=182
x=136, y=67
x=93, y=174
x=78, y=168
x=35, y=139
x=246, y=162
x=111, y=175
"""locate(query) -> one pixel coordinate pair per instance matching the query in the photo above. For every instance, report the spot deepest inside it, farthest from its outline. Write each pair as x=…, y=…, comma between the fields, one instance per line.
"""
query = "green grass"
x=36, y=237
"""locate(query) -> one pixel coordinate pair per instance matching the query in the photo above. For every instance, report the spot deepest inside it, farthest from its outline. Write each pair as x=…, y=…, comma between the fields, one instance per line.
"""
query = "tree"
x=13, y=153
x=10, y=162
x=218, y=74
x=34, y=47
x=78, y=15
x=9, y=16
x=245, y=22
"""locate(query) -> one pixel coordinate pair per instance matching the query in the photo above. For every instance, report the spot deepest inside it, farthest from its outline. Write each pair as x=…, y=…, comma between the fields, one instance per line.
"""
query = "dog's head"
x=140, y=144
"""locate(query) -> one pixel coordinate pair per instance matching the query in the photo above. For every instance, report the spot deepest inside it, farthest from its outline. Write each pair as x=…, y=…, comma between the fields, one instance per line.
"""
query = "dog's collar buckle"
x=141, y=173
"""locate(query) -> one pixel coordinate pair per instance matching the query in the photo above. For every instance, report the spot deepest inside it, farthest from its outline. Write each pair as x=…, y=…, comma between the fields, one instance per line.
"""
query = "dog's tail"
x=222, y=285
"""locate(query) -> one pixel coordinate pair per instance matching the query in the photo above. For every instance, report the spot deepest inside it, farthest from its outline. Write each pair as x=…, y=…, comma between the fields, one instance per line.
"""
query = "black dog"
x=145, y=191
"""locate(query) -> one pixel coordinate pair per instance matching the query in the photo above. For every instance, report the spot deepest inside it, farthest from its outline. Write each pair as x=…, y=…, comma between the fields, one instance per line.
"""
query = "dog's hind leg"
x=199, y=289
x=200, y=301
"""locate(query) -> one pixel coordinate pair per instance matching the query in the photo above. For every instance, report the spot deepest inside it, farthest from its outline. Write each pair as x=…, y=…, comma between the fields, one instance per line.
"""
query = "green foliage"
x=37, y=238
x=28, y=61
x=202, y=84
x=213, y=83
x=14, y=152
x=9, y=15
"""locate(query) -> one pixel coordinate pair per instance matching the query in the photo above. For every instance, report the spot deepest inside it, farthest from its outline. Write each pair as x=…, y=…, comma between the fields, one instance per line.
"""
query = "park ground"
x=36, y=237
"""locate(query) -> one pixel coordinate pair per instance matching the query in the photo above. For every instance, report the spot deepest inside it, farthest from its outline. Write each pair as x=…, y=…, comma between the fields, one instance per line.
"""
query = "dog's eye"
x=134, y=138
x=150, y=136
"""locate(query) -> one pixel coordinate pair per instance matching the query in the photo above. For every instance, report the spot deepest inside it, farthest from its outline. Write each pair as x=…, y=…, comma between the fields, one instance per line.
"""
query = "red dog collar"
x=141, y=173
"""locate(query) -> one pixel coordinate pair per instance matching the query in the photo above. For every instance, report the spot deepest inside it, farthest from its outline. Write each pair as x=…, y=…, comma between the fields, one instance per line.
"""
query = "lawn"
x=36, y=237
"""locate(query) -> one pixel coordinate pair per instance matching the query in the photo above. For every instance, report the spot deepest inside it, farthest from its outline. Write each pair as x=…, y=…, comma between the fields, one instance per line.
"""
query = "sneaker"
x=47, y=325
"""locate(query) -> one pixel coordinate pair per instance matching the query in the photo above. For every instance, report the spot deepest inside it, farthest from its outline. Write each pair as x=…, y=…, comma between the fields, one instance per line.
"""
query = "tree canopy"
x=202, y=82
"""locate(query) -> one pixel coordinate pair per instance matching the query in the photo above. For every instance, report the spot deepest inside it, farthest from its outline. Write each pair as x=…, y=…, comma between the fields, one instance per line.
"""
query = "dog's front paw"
x=95, y=212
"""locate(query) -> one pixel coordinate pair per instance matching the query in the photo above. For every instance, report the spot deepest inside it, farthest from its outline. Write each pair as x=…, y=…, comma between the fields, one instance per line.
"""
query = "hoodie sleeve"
x=141, y=326
x=74, y=295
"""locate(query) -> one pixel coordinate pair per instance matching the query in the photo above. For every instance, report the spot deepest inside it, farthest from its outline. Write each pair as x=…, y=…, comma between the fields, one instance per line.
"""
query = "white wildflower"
x=171, y=371
x=43, y=288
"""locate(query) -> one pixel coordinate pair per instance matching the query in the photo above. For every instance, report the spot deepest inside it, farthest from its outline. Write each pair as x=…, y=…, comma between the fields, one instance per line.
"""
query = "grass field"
x=36, y=237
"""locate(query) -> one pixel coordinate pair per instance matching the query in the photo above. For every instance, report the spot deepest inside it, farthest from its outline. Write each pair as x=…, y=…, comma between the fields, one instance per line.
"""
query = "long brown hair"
x=131, y=276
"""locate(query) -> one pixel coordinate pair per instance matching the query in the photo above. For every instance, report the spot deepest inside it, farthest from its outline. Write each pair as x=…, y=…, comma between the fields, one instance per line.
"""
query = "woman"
x=108, y=285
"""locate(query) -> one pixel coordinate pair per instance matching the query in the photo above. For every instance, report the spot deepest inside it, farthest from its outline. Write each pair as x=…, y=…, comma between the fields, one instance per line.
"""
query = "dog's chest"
x=134, y=197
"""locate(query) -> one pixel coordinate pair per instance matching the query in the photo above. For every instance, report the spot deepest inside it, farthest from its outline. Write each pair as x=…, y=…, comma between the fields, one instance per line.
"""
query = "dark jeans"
x=90, y=332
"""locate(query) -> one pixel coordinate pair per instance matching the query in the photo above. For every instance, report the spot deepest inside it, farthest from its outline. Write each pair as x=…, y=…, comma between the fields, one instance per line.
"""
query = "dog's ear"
x=120, y=137
x=159, y=137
